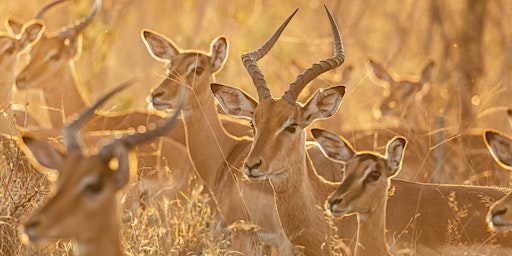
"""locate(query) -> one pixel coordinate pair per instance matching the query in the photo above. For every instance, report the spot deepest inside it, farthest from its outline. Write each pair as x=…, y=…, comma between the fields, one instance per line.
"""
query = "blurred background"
x=469, y=41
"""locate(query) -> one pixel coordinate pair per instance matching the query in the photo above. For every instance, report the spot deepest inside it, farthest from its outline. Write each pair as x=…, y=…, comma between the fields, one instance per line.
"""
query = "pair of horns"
x=74, y=143
x=249, y=60
x=71, y=29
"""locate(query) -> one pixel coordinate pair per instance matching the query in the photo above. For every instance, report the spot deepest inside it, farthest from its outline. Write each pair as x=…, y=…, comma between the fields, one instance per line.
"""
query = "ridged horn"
x=318, y=68
x=71, y=139
x=249, y=60
x=39, y=14
x=81, y=25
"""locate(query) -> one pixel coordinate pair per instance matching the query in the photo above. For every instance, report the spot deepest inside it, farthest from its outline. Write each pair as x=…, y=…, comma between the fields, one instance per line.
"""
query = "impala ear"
x=427, y=72
x=219, y=53
x=500, y=147
x=47, y=155
x=333, y=146
x=31, y=33
x=234, y=101
x=159, y=46
x=395, y=153
x=13, y=25
x=380, y=72
x=323, y=104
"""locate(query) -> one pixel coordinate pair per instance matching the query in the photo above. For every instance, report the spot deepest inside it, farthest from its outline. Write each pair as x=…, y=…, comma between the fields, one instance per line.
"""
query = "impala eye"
x=9, y=50
x=199, y=71
x=94, y=188
x=291, y=128
x=55, y=57
x=372, y=176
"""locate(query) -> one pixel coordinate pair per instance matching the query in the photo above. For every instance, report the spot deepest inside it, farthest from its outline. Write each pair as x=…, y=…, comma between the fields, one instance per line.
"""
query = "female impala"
x=365, y=188
x=10, y=45
x=500, y=146
x=421, y=214
x=84, y=206
x=218, y=162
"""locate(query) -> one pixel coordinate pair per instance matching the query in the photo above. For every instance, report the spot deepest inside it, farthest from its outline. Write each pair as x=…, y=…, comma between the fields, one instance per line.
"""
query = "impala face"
x=77, y=210
x=191, y=69
x=400, y=91
x=367, y=174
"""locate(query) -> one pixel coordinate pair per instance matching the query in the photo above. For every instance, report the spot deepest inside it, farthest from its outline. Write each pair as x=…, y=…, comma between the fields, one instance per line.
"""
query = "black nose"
x=156, y=94
x=253, y=166
x=336, y=201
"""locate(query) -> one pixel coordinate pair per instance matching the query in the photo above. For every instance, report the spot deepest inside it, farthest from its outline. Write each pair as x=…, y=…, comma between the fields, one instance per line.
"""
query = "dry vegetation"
x=469, y=41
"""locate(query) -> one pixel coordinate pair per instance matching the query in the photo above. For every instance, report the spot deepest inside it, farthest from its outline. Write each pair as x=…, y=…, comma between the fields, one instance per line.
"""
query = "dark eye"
x=199, y=71
x=55, y=57
x=94, y=187
x=9, y=50
x=373, y=176
x=291, y=128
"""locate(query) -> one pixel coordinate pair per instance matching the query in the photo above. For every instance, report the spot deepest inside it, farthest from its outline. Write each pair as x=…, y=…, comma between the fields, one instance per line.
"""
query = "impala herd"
x=298, y=196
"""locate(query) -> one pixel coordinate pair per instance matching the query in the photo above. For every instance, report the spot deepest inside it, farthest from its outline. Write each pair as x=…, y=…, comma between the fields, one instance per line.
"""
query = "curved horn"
x=318, y=68
x=39, y=14
x=71, y=139
x=129, y=141
x=77, y=28
x=249, y=59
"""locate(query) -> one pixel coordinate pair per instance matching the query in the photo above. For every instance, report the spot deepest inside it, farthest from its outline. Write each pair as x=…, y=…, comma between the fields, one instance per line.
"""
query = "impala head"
x=19, y=38
x=192, y=69
x=500, y=146
x=279, y=123
x=85, y=200
x=53, y=53
x=367, y=174
x=400, y=91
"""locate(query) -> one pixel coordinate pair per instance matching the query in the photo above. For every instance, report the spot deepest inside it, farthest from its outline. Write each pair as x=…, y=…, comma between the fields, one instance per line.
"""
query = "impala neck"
x=106, y=241
x=209, y=144
x=66, y=99
x=371, y=232
x=300, y=197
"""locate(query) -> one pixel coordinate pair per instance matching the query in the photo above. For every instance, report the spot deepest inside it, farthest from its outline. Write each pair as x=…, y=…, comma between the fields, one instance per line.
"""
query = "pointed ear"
x=427, y=72
x=380, y=72
x=333, y=146
x=13, y=25
x=47, y=155
x=500, y=147
x=395, y=154
x=219, y=53
x=159, y=46
x=323, y=104
x=234, y=101
x=31, y=33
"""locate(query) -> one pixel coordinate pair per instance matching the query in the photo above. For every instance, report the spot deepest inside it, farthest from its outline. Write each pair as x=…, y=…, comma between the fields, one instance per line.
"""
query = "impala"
x=424, y=218
x=10, y=45
x=291, y=181
x=500, y=146
x=400, y=90
x=84, y=206
x=364, y=190
x=216, y=154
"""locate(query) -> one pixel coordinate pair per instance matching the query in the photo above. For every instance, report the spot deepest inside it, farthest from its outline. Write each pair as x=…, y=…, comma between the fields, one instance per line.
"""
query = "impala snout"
x=34, y=228
x=499, y=218
x=333, y=207
x=22, y=82
x=253, y=170
x=158, y=101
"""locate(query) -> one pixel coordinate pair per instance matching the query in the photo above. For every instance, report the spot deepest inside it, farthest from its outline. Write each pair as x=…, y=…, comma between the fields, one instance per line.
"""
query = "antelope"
x=218, y=163
x=364, y=190
x=84, y=206
x=291, y=181
x=11, y=44
x=500, y=146
x=419, y=214
x=400, y=92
